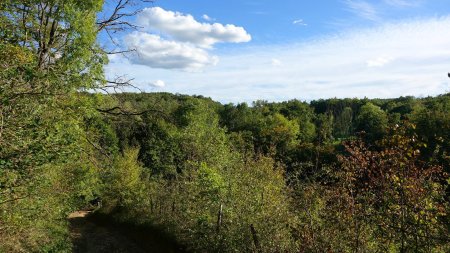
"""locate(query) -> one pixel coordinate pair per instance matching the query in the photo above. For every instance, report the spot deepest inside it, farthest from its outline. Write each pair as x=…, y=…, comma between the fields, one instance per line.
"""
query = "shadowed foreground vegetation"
x=98, y=233
x=336, y=175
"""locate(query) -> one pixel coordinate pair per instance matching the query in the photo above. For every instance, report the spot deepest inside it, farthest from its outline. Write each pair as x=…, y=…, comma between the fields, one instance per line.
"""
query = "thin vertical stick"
x=219, y=218
x=255, y=239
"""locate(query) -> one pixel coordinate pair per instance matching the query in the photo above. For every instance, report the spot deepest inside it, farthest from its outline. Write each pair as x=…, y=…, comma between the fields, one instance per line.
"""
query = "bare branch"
x=120, y=52
x=115, y=21
x=119, y=111
x=118, y=84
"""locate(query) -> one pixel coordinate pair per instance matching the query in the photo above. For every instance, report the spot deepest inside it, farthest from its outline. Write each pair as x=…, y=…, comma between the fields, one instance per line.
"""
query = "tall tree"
x=48, y=53
x=373, y=121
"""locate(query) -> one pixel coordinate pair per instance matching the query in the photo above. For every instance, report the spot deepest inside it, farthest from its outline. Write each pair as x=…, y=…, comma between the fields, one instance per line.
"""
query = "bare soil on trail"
x=90, y=233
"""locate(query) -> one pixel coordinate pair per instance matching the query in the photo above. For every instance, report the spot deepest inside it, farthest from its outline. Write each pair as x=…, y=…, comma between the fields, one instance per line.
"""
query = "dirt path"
x=91, y=235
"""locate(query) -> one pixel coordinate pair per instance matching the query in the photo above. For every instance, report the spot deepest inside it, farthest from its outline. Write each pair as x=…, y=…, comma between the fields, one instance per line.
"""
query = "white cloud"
x=379, y=62
x=415, y=55
x=299, y=22
x=276, y=63
x=155, y=52
x=207, y=18
x=363, y=9
x=172, y=40
x=183, y=27
x=158, y=84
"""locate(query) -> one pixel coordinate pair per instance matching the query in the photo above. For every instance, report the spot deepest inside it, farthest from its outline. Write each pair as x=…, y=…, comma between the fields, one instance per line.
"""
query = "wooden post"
x=255, y=239
x=219, y=218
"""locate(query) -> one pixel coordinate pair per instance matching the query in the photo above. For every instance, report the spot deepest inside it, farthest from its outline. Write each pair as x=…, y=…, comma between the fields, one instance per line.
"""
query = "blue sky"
x=241, y=51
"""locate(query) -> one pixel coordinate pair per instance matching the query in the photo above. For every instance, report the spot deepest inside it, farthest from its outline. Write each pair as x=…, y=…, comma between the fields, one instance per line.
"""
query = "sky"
x=245, y=50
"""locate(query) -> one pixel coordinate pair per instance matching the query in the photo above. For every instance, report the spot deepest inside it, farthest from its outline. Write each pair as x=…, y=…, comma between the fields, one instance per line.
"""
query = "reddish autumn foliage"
x=395, y=192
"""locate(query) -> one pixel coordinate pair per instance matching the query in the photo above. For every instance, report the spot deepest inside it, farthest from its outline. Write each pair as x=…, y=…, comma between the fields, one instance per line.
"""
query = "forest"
x=331, y=175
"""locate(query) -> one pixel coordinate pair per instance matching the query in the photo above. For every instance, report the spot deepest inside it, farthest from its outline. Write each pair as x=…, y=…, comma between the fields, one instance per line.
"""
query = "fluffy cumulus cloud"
x=385, y=61
x=185, y=28
x=156, y=52
x=380, y=61
x=172, y=40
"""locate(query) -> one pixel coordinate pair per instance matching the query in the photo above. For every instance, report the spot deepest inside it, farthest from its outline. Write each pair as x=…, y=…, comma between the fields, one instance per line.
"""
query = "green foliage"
x=432, y=119
x=304, y=115
x=213, y=182
x=373, y=121
x=324, y=124
x=61, y=35
x=124, y=184
x=46, y=157
x=344, y=123
x=321, y=206
x=242, y=195
x=279, y=133
x=270, y=177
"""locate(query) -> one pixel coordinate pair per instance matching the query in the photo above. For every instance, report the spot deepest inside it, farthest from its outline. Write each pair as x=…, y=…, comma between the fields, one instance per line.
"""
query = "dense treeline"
x=337, y=175
x=341, y=174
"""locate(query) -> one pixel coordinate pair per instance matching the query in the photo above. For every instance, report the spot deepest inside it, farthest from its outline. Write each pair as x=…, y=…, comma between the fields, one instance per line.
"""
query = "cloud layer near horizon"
x=390, y=60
